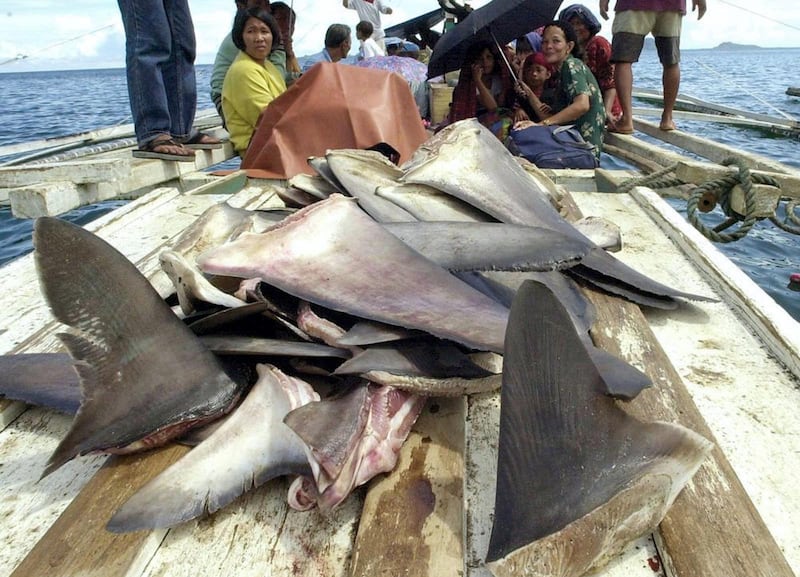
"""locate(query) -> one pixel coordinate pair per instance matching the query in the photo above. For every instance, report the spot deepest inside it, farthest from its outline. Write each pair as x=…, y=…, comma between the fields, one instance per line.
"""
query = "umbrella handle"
x=503, y=56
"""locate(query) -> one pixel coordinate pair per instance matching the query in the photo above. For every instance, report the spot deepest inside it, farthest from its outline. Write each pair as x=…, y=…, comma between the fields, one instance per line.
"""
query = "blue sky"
x=58, y=35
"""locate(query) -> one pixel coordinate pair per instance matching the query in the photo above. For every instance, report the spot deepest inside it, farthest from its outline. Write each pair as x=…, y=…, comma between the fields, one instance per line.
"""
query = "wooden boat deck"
x=729, y=370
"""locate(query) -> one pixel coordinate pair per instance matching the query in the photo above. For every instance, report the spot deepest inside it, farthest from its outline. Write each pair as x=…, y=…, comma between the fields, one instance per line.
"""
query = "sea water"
x=41, y=105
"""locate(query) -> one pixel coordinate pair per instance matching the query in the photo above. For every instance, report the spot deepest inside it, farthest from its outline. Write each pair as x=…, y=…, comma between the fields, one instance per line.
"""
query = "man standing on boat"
x=159, y=63
x=635, y=19
x=371, y=10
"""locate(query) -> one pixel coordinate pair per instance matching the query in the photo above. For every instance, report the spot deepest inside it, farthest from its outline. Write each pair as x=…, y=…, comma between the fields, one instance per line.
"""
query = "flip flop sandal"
x=619, y=131
x=203, y=141
x=149, y=150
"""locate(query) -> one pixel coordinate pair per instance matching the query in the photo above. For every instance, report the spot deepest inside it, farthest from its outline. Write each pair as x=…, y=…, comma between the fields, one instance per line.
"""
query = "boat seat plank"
x=82, y=171
x=51, y=197
x=412, y=521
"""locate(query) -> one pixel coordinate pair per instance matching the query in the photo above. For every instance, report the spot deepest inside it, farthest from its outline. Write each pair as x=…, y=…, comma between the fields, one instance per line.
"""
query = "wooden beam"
x=412, y=520
x=691, y=103
x=745, y=122
x=699, y=172
x=78, y=543
x=658, y=155
x=78, y=172
x=138, y=177
x=708, y=148
x=632, y=157
x=203, y=119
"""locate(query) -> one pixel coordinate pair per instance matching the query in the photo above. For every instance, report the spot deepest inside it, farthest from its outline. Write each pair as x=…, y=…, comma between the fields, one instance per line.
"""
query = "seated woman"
x=252, y=81
x=484, y=90
x=596, y=54
x=577, y=95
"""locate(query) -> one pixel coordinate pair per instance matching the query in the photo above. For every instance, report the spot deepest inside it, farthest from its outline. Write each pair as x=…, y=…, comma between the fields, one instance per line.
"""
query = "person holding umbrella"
x=484, y=91
x=578, y=99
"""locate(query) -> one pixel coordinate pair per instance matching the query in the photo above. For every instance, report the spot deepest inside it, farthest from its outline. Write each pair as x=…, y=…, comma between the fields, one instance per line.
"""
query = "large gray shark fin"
x=130, y=350
x=577, y=477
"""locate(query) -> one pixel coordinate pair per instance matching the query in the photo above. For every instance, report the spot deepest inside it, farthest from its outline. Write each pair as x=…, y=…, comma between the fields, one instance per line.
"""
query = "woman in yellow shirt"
x=252, y=81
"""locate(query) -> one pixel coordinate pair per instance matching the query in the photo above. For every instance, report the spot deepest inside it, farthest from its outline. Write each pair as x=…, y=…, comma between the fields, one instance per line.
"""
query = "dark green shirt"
x=574, y=79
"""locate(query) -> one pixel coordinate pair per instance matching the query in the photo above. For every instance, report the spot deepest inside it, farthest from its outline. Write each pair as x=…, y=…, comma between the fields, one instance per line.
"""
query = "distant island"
x=650, y=44
x=734, y=46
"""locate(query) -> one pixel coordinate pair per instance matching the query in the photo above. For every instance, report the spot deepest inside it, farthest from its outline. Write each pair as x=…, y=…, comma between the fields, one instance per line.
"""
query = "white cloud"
x=60, y=35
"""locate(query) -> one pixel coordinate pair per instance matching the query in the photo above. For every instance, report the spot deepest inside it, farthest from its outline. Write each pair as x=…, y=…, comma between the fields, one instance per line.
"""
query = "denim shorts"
x=631, y=26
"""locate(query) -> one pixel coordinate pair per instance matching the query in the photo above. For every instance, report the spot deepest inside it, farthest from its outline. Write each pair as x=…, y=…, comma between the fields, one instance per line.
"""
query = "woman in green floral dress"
x=578, y=98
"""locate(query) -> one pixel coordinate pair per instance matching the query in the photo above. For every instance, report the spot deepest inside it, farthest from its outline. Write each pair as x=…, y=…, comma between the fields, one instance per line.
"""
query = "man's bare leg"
x=623, y=78
x=671, y=80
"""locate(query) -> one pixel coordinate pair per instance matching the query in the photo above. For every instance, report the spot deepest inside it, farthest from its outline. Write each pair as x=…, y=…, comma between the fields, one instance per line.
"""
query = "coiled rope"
x=720, y=190
x=791, y=222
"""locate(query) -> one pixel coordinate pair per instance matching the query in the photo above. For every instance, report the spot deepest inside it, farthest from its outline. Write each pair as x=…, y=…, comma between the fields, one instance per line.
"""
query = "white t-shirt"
x=369, y=48
x=371, y=10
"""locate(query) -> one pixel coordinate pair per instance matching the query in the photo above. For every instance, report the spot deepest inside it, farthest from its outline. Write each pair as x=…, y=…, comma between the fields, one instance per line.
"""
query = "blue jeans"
x=159, y=60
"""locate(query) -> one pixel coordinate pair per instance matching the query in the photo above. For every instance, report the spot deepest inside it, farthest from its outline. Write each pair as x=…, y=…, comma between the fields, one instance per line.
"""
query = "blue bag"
x=552, y=146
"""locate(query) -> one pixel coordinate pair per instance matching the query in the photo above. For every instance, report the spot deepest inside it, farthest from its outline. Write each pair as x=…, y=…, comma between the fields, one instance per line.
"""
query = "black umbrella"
x=499, y=21
x=416, y=25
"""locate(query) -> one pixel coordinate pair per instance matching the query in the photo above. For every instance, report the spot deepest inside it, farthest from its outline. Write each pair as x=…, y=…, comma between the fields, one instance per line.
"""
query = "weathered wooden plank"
x=692, y=103
x=703, y=172
x=260, y=535
x=776, y=328
x=79, y=172
x=77, y=544
x=139, y=176
x=204, y=119
x=636, y=146
x=29, y=506
x=736, y=120
x=707, y=148
x=412, y=521
x=638, y=161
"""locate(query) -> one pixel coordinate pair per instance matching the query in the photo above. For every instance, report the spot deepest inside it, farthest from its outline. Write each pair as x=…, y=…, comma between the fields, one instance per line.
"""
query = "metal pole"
x=503, y=56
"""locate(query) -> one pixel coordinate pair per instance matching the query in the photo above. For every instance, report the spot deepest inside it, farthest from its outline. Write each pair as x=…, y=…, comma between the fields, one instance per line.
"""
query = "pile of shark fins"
x=413, y=277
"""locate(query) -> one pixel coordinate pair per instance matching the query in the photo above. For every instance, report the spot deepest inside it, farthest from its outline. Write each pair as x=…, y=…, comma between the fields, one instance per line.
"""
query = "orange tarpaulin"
x=334, y=106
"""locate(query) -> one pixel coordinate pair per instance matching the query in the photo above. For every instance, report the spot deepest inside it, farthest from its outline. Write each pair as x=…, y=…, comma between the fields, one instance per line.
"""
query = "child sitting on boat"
x=532, y=96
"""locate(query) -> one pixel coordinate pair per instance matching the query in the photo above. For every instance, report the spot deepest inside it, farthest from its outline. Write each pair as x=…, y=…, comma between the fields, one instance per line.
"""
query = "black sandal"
x=150, y=150
x=203, y=141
